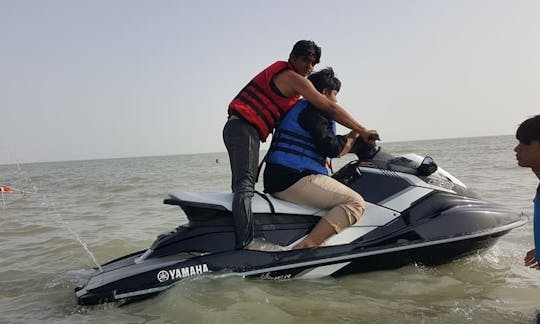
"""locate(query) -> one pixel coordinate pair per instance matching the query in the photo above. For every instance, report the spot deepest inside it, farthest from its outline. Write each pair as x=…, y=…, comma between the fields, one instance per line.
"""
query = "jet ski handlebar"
x=366, y=150
x=374, y=137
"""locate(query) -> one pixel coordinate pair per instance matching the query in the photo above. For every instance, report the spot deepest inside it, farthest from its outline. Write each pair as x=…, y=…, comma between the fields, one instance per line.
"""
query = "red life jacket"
x=261, y=106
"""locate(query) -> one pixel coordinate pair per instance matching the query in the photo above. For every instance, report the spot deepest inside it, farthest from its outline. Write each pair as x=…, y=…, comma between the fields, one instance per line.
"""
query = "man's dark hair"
x=306, y=48
x=529, y=130
x=325, y=79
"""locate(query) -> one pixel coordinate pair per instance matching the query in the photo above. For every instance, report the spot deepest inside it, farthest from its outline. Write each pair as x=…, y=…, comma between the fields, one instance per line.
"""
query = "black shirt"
x=278, y=177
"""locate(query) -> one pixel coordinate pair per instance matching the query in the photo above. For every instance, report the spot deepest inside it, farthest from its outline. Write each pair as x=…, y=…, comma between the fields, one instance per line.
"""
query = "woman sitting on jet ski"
x=296, y=166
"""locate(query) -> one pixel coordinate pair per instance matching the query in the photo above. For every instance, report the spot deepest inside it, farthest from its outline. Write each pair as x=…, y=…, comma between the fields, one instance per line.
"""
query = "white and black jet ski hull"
x=416, y=214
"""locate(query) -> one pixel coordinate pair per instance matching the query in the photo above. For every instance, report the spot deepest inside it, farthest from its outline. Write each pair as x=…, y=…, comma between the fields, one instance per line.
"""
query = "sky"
x=126, y=78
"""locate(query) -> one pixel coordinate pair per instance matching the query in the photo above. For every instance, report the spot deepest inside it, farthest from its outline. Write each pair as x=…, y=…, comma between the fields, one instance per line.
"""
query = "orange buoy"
x=5, y=189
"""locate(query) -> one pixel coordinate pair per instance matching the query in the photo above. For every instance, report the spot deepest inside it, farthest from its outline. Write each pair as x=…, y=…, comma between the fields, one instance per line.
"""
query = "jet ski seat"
x=223, y=201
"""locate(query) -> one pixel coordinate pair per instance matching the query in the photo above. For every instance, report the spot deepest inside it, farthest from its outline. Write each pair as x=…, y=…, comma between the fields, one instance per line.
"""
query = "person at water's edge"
x=528, y=156
x=255, y=111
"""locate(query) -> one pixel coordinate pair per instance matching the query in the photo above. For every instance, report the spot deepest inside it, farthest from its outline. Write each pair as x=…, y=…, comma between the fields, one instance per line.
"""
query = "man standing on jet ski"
x=528, y=156
x=254, y=113
x=296, y=163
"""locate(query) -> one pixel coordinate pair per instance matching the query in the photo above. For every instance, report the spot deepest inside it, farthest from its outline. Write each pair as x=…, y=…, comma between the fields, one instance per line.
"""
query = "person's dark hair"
x=306, y=48
x=529, y=130
x=325, y=79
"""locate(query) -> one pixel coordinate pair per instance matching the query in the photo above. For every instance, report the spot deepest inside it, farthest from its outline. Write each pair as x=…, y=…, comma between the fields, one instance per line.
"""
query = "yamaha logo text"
x=180, y=273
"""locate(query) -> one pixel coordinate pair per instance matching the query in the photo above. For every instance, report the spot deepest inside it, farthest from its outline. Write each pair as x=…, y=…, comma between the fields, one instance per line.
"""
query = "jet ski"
x=416, y=213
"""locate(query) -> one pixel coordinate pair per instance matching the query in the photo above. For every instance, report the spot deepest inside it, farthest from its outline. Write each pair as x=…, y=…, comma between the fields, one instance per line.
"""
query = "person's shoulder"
x=312, y=110
x=290, y=79
x=289, y=72
x=286, y=70
x=312, y=115
x=316, y=112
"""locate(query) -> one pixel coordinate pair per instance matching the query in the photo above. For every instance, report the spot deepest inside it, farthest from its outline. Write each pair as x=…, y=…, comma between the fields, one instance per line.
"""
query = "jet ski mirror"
x=427, y=167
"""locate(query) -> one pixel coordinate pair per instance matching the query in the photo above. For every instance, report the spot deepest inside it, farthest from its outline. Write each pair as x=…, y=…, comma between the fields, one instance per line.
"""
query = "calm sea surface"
x=115, y=207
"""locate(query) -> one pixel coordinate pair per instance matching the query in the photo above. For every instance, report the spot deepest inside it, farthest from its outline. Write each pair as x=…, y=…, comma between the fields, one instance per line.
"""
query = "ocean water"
x=114, y=207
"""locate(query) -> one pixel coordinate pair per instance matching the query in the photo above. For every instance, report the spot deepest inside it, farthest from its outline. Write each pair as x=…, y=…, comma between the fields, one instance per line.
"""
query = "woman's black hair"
x=325, y=79
x=306, y=48
x=529, y=130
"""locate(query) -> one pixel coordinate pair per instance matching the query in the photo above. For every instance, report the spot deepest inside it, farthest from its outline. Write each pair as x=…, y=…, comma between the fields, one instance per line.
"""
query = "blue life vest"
x=294, y=147
x=536, y=222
